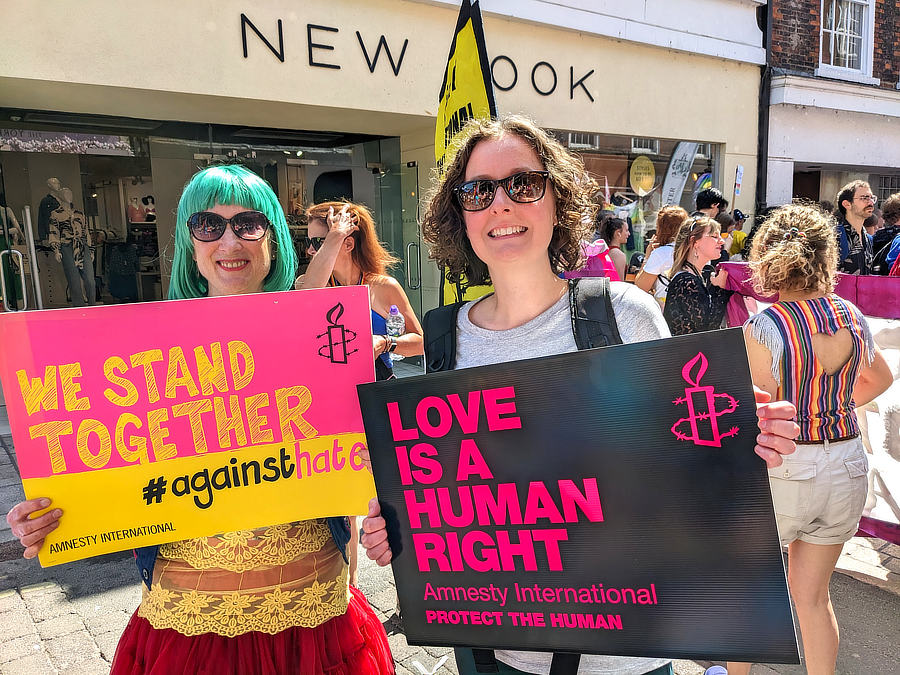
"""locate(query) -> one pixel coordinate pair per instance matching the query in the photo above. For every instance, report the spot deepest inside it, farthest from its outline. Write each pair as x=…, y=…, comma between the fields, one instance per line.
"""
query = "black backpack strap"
x=593, y=319
x=439, y=327
x=485, y=661
x=565, y=663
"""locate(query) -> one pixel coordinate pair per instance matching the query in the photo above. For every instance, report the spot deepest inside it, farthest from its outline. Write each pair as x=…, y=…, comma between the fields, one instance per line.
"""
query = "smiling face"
x=507, y=231
x=231, y=265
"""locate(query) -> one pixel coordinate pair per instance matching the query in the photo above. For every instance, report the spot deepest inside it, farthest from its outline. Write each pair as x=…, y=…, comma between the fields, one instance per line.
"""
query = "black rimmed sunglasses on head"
x=247, y=225
x=523, y=188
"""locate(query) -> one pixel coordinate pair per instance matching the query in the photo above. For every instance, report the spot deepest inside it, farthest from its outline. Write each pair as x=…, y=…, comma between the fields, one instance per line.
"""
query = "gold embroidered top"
x=265, y=580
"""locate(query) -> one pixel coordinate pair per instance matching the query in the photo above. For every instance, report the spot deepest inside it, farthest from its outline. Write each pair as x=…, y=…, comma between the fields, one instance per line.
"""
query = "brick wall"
x=795, y=34
x=887, y=42
x=796, y=30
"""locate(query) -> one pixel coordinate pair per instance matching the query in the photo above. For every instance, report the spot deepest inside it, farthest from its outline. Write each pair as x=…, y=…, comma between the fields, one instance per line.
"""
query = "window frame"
x=863, y=74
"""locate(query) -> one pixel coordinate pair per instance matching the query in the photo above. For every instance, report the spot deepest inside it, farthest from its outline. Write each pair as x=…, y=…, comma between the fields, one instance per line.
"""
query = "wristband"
x=393, y=344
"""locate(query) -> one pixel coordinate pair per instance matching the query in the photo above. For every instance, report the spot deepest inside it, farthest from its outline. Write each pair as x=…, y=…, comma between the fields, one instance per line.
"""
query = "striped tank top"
x=825, y=408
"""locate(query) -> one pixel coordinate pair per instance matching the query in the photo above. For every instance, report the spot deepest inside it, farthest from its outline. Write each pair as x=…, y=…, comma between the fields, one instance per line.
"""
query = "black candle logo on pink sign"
x=338, y=337
x=702, y=416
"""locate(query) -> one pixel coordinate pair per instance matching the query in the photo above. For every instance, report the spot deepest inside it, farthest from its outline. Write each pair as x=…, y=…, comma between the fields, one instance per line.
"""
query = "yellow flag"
x=466, y=92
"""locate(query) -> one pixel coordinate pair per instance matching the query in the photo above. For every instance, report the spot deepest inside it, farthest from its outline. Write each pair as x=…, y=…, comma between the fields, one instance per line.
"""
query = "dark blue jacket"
x=340, y=533
x=844, y=247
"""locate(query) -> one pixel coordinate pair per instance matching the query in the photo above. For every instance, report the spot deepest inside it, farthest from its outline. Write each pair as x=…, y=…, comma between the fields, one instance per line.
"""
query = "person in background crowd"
x=710, y=202
x=726, y=227
x=270, y=600
x=855, y=203
x=652, y=276
x=738, y=236
x=697, y=299
x=884, y=240
x=344, y=250
x=814, y=349
x=615, y=234
x=873, y=223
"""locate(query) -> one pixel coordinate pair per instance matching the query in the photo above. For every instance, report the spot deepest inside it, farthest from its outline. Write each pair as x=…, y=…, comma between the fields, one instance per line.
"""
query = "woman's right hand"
x=31, y=532
x=341, y=224
x=651, y=246
x=374, y=538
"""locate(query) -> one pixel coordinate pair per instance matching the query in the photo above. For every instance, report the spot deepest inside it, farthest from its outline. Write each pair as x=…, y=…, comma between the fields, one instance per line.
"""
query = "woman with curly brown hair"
x=814, y=349
x=513, y=209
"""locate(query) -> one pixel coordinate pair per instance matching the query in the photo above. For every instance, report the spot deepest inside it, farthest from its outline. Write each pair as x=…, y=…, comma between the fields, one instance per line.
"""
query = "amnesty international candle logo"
x=702, y=416
x=549, y=500
x=337, y=337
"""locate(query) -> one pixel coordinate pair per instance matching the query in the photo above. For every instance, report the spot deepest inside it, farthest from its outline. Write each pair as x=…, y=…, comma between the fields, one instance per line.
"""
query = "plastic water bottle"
x=396, y=326
x=715, y=670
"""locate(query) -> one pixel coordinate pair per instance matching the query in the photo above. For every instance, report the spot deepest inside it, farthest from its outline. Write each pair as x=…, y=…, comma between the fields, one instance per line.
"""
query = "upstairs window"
x=844, y=32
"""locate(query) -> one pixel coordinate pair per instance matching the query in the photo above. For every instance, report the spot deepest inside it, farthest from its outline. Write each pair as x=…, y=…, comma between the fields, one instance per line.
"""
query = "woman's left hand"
x=777, y=428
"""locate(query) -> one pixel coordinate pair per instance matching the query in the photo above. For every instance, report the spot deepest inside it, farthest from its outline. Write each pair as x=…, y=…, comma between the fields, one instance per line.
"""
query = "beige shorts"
x=819, y=492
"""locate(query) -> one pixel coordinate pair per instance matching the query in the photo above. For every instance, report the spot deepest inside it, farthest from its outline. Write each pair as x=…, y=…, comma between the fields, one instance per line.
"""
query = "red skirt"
x=351, y=644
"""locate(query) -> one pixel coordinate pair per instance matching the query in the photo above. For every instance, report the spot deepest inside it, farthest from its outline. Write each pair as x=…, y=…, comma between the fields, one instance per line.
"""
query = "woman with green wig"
x=270, y=600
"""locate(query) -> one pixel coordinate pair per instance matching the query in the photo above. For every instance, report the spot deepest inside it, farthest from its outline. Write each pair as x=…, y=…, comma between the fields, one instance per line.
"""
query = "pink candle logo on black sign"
x=338, y=337
x=701, y=402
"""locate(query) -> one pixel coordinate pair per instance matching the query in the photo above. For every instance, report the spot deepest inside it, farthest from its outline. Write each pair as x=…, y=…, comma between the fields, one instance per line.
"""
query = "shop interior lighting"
x=91, y=121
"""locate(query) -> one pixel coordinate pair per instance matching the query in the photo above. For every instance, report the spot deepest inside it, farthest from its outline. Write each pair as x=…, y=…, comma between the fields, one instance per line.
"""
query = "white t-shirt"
x=638, y=318
x=660, y=262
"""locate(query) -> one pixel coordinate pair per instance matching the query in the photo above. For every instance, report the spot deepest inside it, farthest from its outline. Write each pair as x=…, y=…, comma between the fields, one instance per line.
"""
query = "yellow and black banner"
x=466, y=92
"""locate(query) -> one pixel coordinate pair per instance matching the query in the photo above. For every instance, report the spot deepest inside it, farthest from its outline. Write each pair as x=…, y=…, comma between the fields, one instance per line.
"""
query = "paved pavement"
x=68, y=619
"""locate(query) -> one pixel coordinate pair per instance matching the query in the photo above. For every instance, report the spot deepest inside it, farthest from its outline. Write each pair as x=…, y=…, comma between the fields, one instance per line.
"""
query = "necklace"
x=332, y=281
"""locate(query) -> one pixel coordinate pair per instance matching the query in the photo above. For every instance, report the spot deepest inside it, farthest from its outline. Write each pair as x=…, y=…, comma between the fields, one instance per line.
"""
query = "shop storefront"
x=333, y=99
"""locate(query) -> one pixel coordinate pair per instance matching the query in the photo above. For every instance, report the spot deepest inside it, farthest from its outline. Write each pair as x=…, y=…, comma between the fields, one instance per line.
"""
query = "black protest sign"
x=606, y=501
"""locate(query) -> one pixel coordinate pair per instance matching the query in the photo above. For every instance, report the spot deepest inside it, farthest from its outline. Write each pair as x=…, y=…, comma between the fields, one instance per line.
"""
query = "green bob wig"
x=229, y=184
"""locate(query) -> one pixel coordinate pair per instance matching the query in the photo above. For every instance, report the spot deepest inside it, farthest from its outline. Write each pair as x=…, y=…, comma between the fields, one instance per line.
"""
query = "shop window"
x=579, y=141
x=645, y=146
x=846, y=39
x=704, y=151
x=888, y=185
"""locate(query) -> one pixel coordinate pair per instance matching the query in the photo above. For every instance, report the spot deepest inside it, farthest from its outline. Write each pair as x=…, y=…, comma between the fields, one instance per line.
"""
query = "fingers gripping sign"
x=31, y=529
x=778, y=428
x=374, y=538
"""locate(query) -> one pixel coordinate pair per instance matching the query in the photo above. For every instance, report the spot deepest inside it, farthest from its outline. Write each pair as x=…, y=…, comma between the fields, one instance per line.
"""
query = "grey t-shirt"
x=638, y=318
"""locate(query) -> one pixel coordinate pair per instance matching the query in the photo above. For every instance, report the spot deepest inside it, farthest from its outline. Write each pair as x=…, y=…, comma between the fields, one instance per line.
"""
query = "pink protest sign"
x=240, y=409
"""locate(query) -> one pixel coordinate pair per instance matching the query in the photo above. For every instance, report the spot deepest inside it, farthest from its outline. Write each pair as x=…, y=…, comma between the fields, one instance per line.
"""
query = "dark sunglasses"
x=313, y=242
x=246, y=225
x=523, y=188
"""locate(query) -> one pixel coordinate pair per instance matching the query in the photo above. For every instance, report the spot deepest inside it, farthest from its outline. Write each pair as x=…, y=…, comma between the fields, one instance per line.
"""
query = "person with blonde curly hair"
x=513, y=208
x=814, y=349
